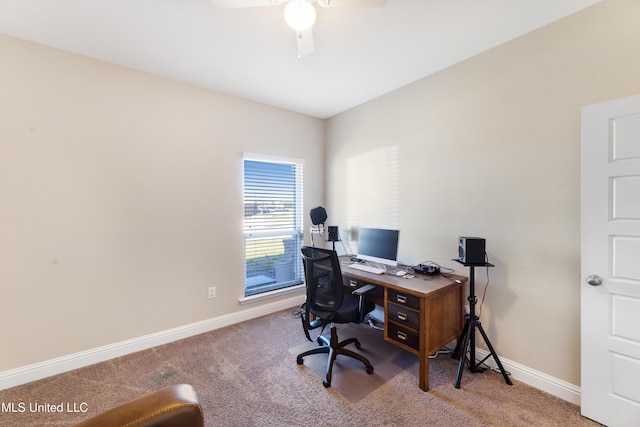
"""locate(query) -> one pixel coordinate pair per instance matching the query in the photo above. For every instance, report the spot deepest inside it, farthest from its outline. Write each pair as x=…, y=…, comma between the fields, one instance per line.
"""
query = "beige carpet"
x=245, y=376
x=349, y=377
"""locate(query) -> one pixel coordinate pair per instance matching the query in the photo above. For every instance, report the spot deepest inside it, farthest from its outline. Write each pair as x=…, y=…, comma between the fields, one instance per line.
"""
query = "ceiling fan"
x=299, y=14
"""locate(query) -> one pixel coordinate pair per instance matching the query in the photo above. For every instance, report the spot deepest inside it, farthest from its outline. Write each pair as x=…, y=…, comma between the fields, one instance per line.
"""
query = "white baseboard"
x=540, y=380
x=36, y=371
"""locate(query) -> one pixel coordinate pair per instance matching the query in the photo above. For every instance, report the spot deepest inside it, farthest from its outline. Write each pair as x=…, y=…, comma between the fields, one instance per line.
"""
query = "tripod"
x=467, y=339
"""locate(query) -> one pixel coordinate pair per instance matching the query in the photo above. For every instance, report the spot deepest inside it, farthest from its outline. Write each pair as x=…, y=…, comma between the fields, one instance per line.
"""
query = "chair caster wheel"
x=299, y=361
x=369, y=370
x=326, y=383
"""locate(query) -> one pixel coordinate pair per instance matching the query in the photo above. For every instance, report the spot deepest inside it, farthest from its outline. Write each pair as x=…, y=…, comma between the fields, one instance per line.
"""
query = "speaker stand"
x=467, y=340
x=334, y=243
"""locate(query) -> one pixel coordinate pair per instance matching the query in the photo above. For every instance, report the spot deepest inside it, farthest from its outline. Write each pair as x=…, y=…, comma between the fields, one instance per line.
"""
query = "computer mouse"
x=401, y=273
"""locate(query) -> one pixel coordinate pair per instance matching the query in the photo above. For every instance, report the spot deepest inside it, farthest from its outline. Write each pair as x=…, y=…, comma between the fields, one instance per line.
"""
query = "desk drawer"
x=403, y=316
x=403, y=335
x=403, y=299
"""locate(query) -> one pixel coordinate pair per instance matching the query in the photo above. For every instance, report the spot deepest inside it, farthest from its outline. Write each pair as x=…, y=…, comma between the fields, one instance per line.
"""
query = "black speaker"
x=333, y=235
x=471, y=250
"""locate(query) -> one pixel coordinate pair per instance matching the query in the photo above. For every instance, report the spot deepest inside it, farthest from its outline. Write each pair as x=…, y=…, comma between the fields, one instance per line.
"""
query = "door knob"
x=594, y=280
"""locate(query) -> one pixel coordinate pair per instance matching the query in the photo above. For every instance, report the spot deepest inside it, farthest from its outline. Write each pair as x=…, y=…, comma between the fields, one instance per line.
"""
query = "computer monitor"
x=378, y=245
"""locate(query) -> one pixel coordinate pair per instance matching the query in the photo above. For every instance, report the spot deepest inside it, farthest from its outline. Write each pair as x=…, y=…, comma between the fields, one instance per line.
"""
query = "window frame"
x=295, y=232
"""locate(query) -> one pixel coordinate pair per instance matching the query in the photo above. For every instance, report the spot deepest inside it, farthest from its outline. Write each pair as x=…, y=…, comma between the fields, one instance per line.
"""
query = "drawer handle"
x=402, y=316
x=401, y=299
x=353, y=283
x=402, y=336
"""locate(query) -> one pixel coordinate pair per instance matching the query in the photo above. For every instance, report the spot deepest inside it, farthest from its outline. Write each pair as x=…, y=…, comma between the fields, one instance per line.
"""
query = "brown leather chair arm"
x=171, y=406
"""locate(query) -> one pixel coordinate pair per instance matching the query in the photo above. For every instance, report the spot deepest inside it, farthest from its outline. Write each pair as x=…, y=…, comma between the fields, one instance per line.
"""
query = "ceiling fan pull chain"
x=299, y=43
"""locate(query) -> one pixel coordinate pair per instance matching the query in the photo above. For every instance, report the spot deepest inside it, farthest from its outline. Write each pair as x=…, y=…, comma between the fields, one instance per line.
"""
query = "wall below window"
x=491, y=147
x=122, y=200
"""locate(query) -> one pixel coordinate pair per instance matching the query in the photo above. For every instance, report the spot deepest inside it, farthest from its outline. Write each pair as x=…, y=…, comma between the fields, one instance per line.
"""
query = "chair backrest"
x=323, y=279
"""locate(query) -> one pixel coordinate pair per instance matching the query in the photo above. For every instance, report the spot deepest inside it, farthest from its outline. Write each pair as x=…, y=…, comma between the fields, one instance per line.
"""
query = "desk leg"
x=423, y=381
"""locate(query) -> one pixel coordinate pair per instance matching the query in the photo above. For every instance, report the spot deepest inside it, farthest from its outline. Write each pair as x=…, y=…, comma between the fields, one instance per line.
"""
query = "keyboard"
x=364, y=267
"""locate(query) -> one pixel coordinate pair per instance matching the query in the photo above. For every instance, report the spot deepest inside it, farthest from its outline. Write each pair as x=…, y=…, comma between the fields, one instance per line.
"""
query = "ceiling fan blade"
x=236, y=4
x=352, y=3
x=305, y=42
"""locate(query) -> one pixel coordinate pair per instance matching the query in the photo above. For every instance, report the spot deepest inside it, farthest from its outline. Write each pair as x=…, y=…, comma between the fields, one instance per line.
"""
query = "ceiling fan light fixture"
x=300, y=14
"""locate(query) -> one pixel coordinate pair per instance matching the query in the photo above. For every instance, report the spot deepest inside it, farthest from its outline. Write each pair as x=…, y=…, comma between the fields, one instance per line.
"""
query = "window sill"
x=271, y=294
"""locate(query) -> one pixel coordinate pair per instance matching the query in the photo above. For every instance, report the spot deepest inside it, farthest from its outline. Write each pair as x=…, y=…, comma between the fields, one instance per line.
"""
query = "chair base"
x=333, y=348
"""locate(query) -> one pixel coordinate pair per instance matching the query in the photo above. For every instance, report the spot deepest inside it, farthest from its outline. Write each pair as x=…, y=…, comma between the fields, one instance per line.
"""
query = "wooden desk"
x=420, y=316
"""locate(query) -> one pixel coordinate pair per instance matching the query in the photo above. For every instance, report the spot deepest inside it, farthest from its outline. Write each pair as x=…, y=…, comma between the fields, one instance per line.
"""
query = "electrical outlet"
x=212, y=292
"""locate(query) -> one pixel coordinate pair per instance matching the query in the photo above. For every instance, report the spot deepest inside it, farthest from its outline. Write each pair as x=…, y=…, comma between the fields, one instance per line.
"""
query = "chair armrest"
x=360, y=293
x=171, y=406
x=363, y=290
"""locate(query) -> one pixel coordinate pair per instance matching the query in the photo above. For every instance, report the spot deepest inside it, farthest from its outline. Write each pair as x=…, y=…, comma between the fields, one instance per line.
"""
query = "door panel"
x=626, y=129
x=624, y=312
x=626, y=197
x=624, y=257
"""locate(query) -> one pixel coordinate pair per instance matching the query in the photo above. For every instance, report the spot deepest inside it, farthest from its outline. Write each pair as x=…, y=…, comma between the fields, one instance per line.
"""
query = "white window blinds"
x=273, y=229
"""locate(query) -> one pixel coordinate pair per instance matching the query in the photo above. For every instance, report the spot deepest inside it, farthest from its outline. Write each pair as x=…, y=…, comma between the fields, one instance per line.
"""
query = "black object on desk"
x=467, y=339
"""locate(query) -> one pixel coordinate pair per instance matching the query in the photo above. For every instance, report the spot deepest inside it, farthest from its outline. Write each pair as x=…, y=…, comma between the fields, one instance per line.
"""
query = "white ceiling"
x=360, y=53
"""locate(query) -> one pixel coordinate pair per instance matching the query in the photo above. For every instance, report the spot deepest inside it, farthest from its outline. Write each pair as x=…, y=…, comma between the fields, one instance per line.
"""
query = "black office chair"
x=328, y=302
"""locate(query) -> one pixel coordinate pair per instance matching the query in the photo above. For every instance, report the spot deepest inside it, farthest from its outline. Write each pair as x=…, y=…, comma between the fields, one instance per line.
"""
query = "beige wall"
x=121, y=199
x=491, y=147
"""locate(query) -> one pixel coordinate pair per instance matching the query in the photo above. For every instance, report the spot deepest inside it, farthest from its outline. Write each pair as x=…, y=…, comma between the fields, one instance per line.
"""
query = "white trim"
x=272, y=294
x=47, y=368
x=257, y=157
x=540, y=380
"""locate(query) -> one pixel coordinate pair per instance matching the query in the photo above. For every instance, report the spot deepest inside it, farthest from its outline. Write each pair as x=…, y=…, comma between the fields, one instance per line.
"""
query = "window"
x=273, y=229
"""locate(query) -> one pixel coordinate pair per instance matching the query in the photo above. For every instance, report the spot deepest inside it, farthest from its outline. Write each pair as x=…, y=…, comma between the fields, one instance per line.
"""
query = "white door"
x=610, y=271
